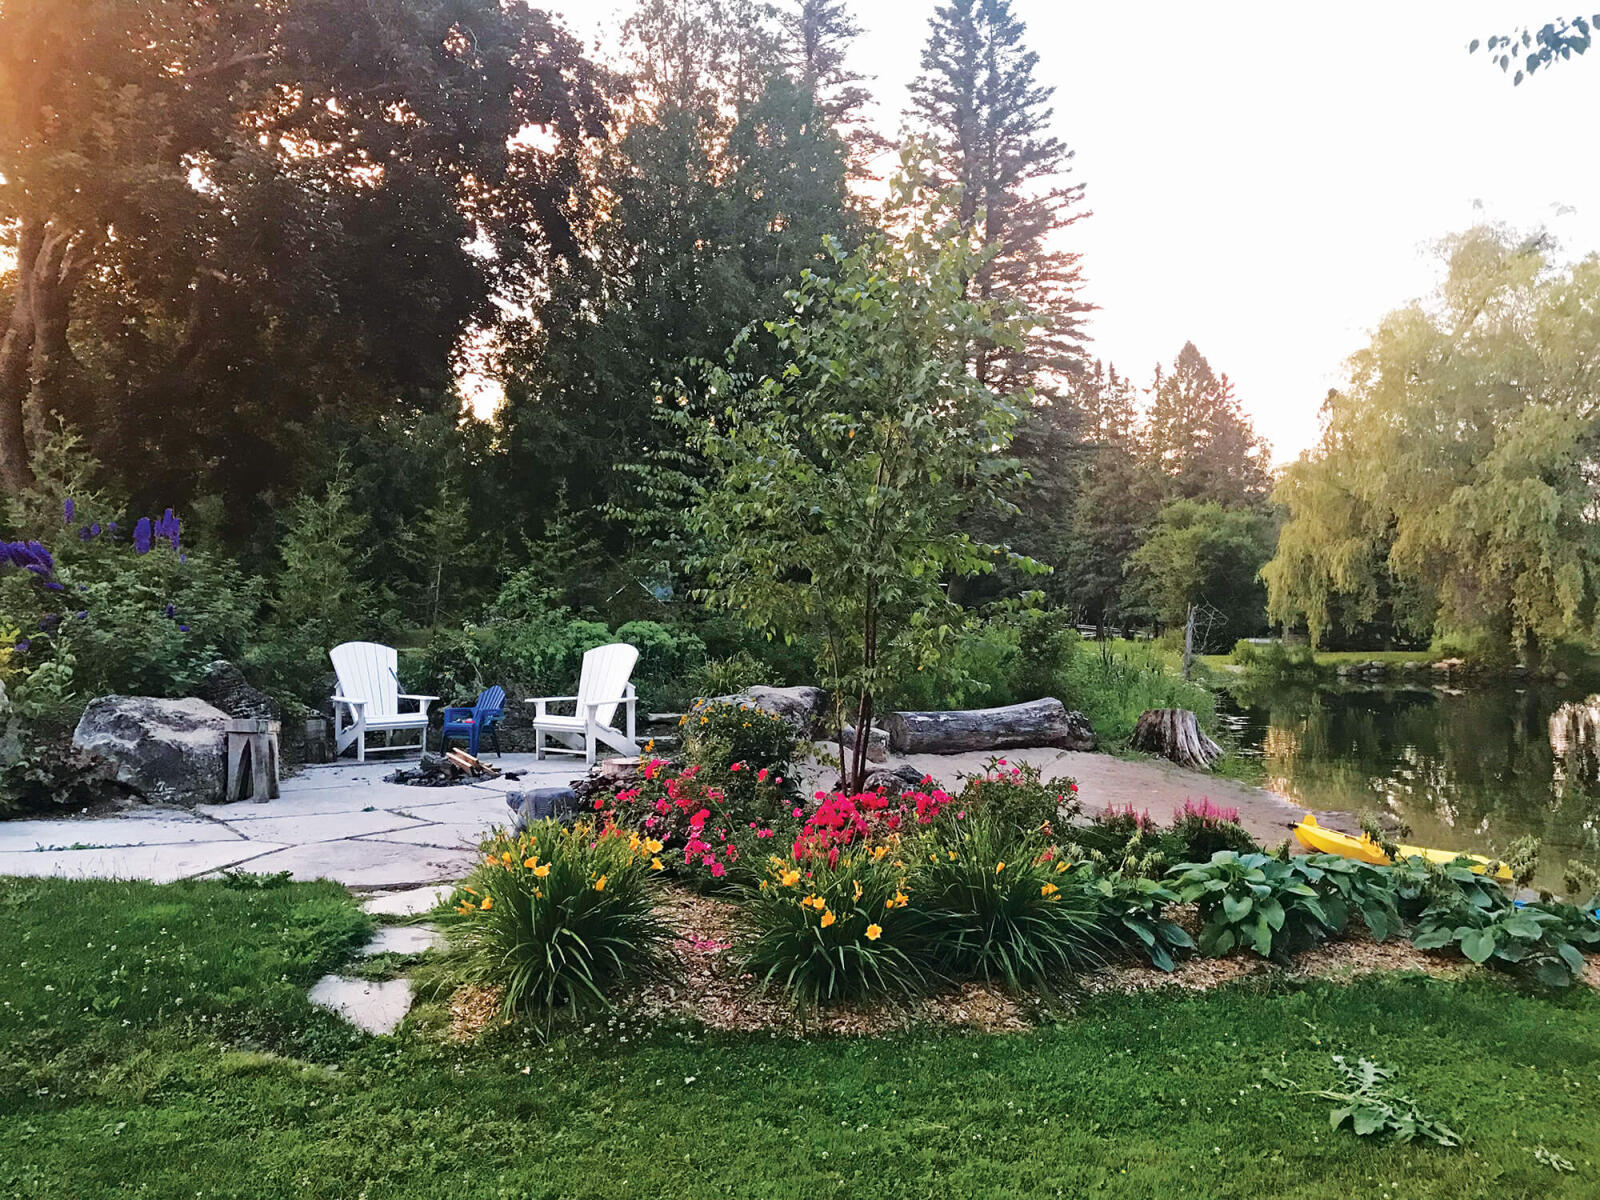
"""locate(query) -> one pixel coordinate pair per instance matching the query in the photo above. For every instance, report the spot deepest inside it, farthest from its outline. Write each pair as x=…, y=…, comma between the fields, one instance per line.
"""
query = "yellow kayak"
x=1330, y=841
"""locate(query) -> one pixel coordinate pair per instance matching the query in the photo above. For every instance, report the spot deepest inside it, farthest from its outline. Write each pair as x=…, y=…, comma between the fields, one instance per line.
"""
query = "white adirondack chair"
x=368, y=700
x=601, y=688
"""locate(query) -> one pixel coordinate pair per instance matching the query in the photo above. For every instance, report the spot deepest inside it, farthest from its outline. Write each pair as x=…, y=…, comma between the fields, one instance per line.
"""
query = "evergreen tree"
x=818, y=34
x=1199, y=439
x=979, y=102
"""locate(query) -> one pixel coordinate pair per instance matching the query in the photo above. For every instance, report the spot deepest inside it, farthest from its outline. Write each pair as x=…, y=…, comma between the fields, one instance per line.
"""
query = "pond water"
x=1467, y=769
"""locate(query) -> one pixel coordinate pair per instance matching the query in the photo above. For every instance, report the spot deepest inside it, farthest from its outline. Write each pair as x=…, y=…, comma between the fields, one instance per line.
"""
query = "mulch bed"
x=710, y=989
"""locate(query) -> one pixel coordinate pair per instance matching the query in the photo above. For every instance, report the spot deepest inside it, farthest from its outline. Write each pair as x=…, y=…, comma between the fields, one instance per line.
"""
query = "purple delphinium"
x=169, y=527
x=21, y=647
x=183, y=629
x=68, y=508
x=141, y=536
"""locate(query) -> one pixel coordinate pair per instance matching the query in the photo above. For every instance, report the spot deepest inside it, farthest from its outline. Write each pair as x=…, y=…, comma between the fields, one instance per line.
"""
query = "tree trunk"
x=34, y=353
x=1175, y=733
x=1039, y=723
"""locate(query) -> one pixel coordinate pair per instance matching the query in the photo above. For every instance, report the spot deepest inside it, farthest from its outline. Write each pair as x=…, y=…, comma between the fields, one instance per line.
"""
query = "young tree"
x=838, y=482
x=1197, y=436
x=978, y=100
x=1464, y=457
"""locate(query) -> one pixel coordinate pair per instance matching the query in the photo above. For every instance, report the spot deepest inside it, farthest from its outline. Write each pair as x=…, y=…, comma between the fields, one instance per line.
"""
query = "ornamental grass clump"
x=1002, y=906
x=561, y=918
x=827, y=932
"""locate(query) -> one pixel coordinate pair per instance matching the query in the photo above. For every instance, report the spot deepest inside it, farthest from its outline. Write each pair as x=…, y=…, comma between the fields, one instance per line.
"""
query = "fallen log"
x=1038, y=723
x=1175, y=733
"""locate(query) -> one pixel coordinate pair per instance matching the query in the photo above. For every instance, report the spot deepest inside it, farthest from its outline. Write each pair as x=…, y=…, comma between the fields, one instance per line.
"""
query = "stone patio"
x=339, y=822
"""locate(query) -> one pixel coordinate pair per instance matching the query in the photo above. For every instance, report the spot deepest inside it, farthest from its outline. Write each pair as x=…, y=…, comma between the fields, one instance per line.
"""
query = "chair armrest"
x=458, y=713
x=549, y=699
x=409, y=696
x=350, y=700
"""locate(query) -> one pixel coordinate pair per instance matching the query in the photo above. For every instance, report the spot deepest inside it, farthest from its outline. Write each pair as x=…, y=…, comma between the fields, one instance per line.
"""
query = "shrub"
x=1274, y=661
x=866, y=820
x=1131, y=915
x=830, y=932
x=1112, y=683
x=1205, y=828
x=1018, y=796
x=724, y=676
x=686, y=822
x=560, y=918
x=1348, y=887
x=666, y=657
x=746, y=752
x=1251, y=900
x=1001, y=906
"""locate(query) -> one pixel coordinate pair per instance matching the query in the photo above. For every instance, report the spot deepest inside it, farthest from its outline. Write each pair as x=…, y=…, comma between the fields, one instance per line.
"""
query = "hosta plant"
x=1420, y=884
x=1002, y=906
x=1251, y=900
x=560, y=918
x=1529, y=941
x=1350, y=888
x=848, y=928
x=1131, y=915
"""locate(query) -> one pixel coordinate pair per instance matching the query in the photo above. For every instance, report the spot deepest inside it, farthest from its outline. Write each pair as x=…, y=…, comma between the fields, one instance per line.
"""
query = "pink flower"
x=761, y=775
x=797, y=811
x=735, y=766
x=718, y=870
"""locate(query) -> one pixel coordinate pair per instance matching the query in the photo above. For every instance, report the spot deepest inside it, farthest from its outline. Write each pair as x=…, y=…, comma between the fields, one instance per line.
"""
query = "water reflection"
x=1467, y=770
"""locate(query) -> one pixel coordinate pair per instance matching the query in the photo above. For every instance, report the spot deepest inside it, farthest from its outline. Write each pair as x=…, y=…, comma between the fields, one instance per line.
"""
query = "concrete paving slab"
x=451, y=836
x=407, y=903
x=369, y=864
x=321, y=827
x=355, y=798
x=156, y=864
x=403, y=939
x=156, y=827
x=376, y=1007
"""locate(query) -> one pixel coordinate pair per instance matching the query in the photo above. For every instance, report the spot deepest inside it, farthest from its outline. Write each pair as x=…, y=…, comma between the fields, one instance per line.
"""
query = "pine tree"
x=817, y=36
x=1198, y=437
x=978, y=100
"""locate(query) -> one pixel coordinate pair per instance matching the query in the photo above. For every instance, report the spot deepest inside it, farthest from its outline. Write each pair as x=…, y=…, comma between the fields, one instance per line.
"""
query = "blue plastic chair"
x=472, y=723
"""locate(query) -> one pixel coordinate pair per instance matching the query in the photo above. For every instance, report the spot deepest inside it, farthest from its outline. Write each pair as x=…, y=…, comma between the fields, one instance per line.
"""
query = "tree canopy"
x=1463, y=458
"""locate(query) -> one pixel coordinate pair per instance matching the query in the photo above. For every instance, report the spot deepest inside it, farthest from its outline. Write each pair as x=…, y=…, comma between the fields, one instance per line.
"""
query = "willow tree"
x=833, y=508
x=1463, y=459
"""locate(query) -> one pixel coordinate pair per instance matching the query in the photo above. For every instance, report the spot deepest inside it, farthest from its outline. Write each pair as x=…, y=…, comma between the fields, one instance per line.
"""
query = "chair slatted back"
x=493, y=699
x=606, y=670
x=367, y=671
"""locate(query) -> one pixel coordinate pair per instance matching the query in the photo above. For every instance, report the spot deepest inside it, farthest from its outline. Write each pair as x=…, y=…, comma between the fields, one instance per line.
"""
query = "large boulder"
x=170, y=751
x=802, y=707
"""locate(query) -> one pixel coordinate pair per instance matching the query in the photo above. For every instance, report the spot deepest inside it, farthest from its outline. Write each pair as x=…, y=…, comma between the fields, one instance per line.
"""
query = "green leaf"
x=1478, y=945
x=1236, y=907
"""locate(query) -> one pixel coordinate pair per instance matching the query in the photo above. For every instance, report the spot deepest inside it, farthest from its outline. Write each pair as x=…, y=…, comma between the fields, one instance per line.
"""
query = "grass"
x=155, y=1041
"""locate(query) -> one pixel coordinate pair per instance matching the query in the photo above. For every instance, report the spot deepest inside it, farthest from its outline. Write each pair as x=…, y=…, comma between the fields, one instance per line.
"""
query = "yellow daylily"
x=874, y=932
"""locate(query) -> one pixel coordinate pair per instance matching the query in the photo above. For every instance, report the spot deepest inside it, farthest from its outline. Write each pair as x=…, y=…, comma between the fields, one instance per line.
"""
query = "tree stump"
x=1038, y=723
x=1175, y=733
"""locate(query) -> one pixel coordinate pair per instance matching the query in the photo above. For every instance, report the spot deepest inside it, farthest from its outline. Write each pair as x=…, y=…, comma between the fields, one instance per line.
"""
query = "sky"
x=1268, y=180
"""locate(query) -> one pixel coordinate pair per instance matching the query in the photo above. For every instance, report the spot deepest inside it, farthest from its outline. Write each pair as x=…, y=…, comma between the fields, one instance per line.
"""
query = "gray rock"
x=224, y=686
x=802, y=707
x=540, y=804
x=377, y=1008
x=877, y=743
x=172, y=751
x=895, y=780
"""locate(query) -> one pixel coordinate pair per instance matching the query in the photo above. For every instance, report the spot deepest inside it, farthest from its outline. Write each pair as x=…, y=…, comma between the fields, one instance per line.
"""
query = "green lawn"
x=155, y=1041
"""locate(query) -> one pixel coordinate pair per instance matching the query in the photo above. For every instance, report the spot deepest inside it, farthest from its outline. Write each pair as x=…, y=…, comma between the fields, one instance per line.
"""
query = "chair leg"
x=494, y=740
x=538, y=745
x=472, y=742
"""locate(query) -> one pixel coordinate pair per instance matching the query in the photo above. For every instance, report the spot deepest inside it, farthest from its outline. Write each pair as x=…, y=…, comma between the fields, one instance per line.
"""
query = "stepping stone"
x=374, y=1007
x=407, y=903
x=402, y=939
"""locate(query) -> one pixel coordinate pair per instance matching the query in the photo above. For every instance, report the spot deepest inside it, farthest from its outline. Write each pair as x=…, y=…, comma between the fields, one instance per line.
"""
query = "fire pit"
x=447, y=770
